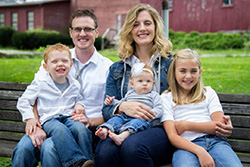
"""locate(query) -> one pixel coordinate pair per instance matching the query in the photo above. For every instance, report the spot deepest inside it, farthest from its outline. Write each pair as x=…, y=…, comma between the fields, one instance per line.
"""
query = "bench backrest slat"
x=12, y=128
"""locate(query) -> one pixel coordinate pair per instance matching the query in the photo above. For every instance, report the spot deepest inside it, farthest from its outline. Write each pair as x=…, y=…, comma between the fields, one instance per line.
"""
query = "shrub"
x=98, y=42
x=35, y=38
x=6, y=33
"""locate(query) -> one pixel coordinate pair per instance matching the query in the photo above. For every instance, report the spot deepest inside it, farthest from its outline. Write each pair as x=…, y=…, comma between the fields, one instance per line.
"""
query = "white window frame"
x=170, y=4
x=14, y=21
x=227, y=2
x=30, y=20
x=2, y=23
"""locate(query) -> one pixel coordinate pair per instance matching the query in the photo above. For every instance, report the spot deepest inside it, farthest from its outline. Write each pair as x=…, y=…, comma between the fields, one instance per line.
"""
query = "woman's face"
x=143, y=32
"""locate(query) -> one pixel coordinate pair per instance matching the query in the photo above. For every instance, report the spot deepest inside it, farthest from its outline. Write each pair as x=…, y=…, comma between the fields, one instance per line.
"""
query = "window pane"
x=170, y=4
x=1, y=19
x=15, y=21
x=227, y=2
x=30, y=20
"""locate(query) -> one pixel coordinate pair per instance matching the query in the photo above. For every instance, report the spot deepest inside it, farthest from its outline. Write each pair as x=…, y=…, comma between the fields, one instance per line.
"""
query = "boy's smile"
x=58, y=65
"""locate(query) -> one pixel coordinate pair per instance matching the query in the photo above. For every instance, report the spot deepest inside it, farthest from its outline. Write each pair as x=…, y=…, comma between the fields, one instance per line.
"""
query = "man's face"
x=83, y=32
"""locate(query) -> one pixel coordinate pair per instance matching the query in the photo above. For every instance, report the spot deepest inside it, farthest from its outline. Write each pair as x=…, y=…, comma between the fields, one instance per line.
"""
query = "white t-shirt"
x=199, y=112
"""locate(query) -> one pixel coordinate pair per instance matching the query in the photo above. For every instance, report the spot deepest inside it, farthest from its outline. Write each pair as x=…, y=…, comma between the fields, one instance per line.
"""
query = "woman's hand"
x=136, y=110
x=224, y=130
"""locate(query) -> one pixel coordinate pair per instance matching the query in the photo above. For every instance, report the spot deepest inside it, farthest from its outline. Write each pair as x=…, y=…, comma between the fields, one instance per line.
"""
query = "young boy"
x=58, y=98
x=142, y=82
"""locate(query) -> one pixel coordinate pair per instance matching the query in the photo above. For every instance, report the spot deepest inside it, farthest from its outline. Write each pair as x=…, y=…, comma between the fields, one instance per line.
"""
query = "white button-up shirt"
x=92, y=77
x=51, y=102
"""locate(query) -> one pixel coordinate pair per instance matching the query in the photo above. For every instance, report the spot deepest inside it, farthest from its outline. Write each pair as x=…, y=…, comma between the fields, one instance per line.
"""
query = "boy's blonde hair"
x=126, y=44
x=56, y=47
x=197, y=92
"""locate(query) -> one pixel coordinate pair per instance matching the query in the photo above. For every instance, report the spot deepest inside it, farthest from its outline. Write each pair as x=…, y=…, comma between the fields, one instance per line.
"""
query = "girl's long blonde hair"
x=197, y=92
x=126, y=45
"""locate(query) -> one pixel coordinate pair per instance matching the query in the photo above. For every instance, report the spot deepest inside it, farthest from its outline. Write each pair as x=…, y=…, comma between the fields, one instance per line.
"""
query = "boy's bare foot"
x=102, y=133
x=118, y=139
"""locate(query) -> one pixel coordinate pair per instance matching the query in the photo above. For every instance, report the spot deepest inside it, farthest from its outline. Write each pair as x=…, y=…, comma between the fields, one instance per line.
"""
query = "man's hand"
x=78, y=109
x=31, y=126
x=38, y=137
x=81, y=118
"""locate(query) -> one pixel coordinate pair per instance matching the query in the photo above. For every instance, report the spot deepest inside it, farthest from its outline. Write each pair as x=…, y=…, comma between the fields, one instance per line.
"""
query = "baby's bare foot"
x=118, y=139
x=102, y=133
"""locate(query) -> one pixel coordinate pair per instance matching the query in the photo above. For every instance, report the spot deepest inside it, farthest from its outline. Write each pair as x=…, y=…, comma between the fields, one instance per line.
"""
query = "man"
x=90, y=69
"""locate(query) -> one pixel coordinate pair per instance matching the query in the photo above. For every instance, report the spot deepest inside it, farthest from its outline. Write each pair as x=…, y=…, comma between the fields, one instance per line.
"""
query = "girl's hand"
x=31, y=125
x=205, y=158
x=79, y=109
x=109, y=100
x=136, y=110
x=224, y=130
x=181, y=126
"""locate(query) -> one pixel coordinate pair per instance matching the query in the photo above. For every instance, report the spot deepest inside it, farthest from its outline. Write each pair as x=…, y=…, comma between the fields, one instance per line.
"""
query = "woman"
x=141, y=40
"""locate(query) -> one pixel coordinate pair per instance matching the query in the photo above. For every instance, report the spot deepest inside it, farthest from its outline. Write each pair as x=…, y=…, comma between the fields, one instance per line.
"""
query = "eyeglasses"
x=85, y=29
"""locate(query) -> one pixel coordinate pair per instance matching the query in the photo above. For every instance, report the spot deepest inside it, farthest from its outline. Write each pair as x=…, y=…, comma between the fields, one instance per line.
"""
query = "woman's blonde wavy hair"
x=197, y=92
x=126, y=45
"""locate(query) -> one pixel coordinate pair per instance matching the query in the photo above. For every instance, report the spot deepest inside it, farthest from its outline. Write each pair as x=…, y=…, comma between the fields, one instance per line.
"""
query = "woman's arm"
x=136, y=110
x=204, y=158
x=201, y=127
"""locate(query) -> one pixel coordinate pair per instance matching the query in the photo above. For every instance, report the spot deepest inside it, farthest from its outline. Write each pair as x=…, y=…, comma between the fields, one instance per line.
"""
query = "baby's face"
x=143, y=83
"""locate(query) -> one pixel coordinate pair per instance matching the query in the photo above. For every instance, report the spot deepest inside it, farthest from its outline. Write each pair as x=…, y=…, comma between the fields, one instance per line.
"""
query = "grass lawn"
x=225, y=74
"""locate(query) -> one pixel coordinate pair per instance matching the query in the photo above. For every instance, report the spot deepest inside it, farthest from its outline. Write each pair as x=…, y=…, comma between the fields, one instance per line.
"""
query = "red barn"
x=184, y=15
x=210, y=15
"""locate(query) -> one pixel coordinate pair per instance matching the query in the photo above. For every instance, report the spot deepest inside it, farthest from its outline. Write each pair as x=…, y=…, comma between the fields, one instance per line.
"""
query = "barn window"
x=1, y=19
x=15, y=21
x=30, y=20
x=227, y=2
x=170, y=4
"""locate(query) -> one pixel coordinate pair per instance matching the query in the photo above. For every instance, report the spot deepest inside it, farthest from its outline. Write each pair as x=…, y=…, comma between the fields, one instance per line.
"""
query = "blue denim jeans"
x=69, y=140
x=26, y=155
x=217, y=147
x=147, y=148
x=122, y=123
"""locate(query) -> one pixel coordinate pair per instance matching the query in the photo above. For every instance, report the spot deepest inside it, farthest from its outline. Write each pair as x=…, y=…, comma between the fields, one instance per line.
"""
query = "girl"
x=191, y=112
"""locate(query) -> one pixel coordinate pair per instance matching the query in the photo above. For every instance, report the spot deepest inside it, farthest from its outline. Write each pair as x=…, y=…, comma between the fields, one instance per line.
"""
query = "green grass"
x=224, y=74
x=5, y=162
x=19, y=69
x=227, y=74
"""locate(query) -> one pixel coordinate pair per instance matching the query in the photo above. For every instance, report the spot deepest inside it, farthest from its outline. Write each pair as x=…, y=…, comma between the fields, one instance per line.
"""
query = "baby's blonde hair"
x=146, y=67
x=56, y=47
x=197, y=92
